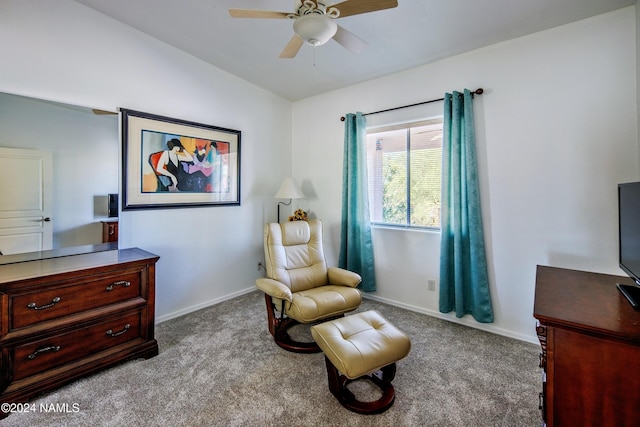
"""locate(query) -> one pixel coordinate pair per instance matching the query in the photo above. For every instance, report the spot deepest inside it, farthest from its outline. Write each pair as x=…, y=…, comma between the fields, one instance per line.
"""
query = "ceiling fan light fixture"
x=315, y=29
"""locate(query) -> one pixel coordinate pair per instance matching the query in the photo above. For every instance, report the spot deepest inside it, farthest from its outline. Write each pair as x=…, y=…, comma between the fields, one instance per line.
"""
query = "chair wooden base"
x=382, y=378
x=279, y=329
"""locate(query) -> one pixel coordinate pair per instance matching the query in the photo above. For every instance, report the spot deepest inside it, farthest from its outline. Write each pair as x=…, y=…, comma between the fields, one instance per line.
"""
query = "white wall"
x=85, y=153
x=66, y=52
x=556, y=131
x=638, y=68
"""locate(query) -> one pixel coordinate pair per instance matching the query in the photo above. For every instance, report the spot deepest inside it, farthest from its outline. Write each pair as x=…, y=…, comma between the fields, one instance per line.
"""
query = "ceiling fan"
x=314, y=22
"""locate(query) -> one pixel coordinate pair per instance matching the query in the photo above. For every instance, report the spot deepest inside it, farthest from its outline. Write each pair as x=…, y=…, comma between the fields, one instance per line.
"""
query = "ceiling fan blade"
x=349, y=41
x=356, y=7
x=292, y=48
x=247, y=13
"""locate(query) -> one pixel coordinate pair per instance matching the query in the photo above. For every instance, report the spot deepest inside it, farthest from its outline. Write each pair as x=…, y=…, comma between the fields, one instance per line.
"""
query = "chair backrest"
x=153, y=161
x=294, y=254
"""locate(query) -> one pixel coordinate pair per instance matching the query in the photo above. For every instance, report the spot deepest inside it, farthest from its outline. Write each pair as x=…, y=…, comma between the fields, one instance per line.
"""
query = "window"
x=404, y=163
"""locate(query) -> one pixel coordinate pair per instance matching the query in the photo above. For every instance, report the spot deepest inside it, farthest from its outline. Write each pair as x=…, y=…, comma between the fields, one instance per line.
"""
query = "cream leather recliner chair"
x=299, y=287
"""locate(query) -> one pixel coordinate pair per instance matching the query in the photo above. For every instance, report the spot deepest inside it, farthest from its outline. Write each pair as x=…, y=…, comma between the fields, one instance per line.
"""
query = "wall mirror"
x=84, y=147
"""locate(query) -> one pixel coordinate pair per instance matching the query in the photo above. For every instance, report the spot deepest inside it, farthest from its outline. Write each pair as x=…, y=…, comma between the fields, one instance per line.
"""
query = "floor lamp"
x=288, y=190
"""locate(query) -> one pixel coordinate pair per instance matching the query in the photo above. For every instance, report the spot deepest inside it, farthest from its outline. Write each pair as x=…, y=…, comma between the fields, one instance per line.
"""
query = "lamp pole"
x=282, y=203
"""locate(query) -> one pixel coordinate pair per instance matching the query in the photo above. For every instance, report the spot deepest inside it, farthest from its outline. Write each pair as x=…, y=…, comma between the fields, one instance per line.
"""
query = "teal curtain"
x=356, y=246
x=464, y=282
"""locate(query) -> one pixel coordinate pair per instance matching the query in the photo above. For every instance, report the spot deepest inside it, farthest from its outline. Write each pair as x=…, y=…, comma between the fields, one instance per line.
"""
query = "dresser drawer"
x=47, y=353
x=58, y=300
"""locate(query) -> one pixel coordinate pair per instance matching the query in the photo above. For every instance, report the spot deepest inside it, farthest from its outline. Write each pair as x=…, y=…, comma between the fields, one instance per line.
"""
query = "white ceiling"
x=416, y=32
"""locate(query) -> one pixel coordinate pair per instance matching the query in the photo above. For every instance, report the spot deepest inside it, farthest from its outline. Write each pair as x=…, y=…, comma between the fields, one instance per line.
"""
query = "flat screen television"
x=629, y=239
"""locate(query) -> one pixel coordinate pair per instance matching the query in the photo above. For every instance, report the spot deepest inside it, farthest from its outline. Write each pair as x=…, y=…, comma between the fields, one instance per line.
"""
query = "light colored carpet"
x=220, y=367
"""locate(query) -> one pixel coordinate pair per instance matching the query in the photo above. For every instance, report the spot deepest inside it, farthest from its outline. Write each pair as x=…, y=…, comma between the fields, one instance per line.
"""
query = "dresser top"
x=68, y=264
x=586, y=301
x=57, y=253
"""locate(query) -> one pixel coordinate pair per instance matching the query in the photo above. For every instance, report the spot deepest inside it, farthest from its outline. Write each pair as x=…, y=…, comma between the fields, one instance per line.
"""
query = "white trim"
x=203, y=305
x=471, y=324
x=484, y=327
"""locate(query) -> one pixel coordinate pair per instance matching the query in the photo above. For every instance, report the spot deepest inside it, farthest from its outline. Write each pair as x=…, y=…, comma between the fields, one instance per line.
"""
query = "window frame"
x=436, y=120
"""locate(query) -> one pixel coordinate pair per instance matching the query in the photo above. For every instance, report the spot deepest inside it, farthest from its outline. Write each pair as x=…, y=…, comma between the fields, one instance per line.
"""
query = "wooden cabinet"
x=590, y=339
x=109, y=231
x=67, y=317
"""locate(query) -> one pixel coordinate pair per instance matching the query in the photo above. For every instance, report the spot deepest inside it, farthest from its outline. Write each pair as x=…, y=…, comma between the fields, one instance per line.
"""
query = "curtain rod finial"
x=342, y=119
x=479, y=91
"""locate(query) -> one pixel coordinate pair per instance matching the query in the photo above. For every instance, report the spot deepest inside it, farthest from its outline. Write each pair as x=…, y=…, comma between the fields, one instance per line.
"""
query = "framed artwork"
x=172, y=163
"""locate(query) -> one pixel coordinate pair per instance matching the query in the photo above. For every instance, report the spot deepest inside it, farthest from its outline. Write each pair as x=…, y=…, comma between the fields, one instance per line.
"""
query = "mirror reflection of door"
x=25, y=201
x=85, y=152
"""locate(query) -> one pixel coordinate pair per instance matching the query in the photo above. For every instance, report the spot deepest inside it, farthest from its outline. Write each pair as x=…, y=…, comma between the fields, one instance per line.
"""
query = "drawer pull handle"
x=543, y=360
x=540, y=401
x=34, y=306
x=115, y=334
x=123, y=283
x=35, y=354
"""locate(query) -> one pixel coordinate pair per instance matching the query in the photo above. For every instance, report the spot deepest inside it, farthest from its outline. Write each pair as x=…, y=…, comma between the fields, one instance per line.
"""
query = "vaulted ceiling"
x=416, y=32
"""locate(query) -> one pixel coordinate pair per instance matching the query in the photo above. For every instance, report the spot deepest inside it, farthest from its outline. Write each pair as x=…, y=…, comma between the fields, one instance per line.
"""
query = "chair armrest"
x=274, y=288
x=340, y=276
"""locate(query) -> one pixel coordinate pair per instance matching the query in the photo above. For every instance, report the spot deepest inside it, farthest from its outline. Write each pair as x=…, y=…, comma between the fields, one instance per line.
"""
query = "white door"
x=25, y=201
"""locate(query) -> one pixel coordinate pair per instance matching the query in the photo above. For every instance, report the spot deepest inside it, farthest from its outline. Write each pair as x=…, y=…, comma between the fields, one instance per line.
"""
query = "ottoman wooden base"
x=382, y=378
x=361, y=346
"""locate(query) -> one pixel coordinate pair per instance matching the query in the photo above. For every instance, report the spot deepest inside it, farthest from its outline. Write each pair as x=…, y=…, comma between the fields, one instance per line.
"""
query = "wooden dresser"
x=63, y=318
x=590, y=338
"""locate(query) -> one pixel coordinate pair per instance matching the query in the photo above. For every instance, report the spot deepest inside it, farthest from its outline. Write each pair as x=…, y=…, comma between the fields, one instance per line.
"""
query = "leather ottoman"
x=361, y=346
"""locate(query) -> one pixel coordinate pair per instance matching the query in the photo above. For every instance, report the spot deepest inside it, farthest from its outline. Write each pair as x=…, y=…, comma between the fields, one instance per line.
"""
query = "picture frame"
x=173, y=163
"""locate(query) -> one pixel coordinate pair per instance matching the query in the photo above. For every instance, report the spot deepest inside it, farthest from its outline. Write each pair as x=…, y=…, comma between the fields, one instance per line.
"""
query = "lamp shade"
x=289, y=190
x=315, y=29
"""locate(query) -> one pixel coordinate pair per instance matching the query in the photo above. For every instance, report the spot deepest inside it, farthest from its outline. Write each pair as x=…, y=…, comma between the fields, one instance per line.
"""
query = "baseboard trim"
x=432, y=313
x=470, y=323
x=204, y=304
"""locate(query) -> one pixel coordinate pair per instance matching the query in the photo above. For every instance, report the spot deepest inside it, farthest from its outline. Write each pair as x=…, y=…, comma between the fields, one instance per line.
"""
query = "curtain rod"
x=478, y=91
